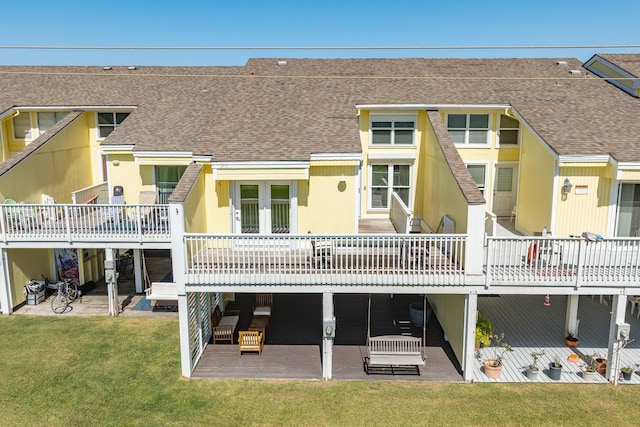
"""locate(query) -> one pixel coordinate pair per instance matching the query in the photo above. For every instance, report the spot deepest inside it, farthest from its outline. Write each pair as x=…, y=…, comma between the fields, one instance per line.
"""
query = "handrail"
x=98, y=192
x=400, y=214
x=527, y=261
x=84, y=222
x=402, y=259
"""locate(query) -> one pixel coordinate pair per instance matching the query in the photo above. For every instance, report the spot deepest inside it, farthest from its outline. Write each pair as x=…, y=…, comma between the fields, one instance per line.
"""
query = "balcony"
x=573, y=262
x=340, y=260
x=23, y=225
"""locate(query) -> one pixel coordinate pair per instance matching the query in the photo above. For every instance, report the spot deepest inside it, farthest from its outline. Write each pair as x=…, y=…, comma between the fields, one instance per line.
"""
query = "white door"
x=262, y=208
x=504, y=193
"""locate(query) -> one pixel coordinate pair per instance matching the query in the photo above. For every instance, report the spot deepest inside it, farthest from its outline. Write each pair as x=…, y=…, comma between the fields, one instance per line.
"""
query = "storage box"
x=35, y=298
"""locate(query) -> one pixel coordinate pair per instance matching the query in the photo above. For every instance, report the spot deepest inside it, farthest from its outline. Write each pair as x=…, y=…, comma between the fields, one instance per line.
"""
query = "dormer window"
x=22, y=126
x=392, y=130
x=509, y=129
x=107, y=122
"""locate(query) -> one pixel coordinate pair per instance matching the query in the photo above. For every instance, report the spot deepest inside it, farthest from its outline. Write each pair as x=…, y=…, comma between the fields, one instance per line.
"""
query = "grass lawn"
x=103, y=371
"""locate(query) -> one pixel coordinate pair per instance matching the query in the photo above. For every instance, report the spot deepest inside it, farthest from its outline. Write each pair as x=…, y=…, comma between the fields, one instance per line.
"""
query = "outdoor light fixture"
x=547, y=300
x=342, y=180
x=116, y=162
x=566, y=187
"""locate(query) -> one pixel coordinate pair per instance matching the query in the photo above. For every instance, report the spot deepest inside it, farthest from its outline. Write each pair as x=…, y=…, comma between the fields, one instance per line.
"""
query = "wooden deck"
x=530, y=326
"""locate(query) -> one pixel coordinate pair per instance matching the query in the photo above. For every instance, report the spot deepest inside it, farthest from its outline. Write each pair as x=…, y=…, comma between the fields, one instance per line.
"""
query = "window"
x=22, y=126
x=47, y=120
x=107, y=122
x=479, y=175
x=388, y=178
x=468, y=128
x=392, y=131
x=509, y=128
x=629, y=210
x=167, y=178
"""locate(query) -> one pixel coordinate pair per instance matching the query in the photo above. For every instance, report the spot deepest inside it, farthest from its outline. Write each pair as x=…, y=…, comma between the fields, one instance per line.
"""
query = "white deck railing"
x=400, y=214
x=70, y=223
x=548, y=261
x=416, y=259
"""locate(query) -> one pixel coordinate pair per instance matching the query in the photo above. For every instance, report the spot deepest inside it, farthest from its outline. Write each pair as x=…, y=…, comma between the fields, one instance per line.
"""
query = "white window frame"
x=57, y=116
x=114, y=125
x=393, y=119
x=467, y=129
x=484, y=187
x=500, y=129
x=390, y=184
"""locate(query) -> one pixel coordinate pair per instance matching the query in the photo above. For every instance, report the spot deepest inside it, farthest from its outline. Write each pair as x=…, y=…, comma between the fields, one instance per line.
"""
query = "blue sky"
x=302, y=23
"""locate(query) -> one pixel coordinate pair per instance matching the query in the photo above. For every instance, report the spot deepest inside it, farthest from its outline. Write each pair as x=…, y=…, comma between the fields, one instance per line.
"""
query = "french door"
x=262, y=207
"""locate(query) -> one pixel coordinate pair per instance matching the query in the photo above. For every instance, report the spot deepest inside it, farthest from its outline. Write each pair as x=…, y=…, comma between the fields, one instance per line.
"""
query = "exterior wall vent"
x=575, y=72
x=561, y=63
x=107, y=68
x=282, y=63
x=132, y=68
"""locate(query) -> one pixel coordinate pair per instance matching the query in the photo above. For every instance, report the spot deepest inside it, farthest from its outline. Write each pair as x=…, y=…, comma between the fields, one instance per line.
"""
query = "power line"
x=317, y=48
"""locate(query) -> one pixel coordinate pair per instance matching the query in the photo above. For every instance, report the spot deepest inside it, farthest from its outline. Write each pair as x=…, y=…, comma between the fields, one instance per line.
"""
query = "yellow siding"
x=147, y=178
x=629, y=175
x=535, y=191
x=335, y=163
x=27, y=264
x=391, y=155
x=219, y=219
x=66, y=161
x=127, y=174
x=449, y=309
x=589, y=212
x=248, y=174
x=164, y=161
x=195, y=207
x=442, y=195
x=324, y=204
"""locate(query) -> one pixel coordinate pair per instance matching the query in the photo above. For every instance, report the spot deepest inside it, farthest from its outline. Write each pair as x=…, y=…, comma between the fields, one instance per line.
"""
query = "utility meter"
x=622, y=331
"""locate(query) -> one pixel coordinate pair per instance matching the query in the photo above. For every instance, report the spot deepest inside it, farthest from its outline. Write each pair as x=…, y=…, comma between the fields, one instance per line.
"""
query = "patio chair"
x=322, y=251
x=250, y=341
x=263, y=305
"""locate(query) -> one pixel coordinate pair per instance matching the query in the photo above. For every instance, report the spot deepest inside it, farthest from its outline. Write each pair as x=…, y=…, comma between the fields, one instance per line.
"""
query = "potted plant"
x=571, y=340
x=590, y=368
x=493, y=366
x=601, y=364
x=555, y=369
x=484, y=332
x=627, y=372
x=532, y=370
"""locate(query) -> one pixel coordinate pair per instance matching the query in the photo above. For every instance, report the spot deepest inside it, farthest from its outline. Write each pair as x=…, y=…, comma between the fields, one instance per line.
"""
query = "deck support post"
x=619, y=308
x=328, y=320
x=6, y=304
x=470, y=318
x=571, y=319
x=137, y=270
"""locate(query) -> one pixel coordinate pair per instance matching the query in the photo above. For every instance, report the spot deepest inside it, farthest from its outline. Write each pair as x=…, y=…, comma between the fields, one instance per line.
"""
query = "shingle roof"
x=266, y=111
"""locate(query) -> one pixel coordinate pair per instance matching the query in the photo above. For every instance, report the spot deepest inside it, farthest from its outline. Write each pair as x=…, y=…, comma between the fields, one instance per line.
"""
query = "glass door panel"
x=249, y=209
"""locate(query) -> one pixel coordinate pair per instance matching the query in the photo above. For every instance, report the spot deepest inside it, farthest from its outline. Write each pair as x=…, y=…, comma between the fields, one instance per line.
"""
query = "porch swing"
x=394, y=353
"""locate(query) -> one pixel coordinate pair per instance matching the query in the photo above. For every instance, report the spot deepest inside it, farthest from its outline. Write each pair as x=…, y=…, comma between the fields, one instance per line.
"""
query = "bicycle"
x=67, y=292
x=124, y=265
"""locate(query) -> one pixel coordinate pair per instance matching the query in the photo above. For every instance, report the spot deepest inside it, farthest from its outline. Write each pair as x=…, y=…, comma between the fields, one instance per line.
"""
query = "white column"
x=110, y=277
x=468, y=347
x=328, y=321
x=6, y=304
x=571, y=319
x=475, y=239
x=178, y=259
x=138, y=271
x=619, y=307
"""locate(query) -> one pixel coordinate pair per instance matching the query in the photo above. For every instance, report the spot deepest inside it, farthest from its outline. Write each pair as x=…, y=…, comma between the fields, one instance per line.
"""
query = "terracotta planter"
x=571, y=342
x=490, y=370
x=601, y=365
